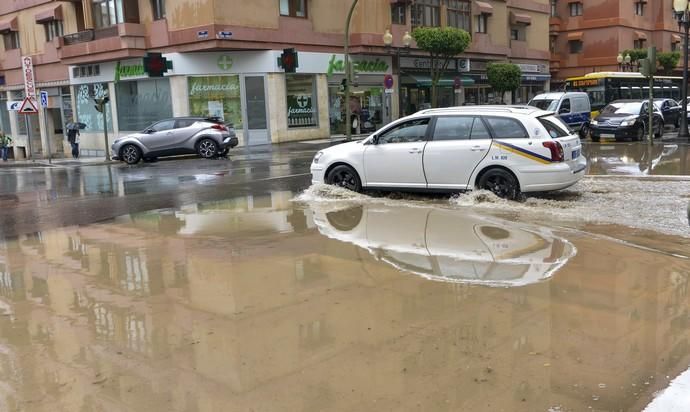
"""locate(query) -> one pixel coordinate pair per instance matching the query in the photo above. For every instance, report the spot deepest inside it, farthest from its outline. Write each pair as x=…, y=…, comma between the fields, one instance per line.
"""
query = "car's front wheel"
x=130, y=154
x=501, y=182
x=345, y=177
x=639, y=134
x=207, y=148
x=659, y=132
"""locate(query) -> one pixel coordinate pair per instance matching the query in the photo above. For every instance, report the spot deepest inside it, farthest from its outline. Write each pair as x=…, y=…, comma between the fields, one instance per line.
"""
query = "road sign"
x=13, y=106
x=44, y=99
x=28, y=107
x=28, y=75
x=388, y=81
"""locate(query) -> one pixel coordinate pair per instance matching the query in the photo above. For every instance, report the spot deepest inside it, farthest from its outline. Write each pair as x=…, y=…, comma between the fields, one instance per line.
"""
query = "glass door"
x=257, y=116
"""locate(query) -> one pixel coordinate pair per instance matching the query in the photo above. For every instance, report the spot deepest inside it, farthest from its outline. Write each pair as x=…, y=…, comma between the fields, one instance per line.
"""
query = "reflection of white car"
x=449, y=245
x=504, y=149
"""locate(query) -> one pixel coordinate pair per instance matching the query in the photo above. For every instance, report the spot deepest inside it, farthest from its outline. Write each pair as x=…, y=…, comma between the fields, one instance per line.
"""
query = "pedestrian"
x=4, y=145
x=73, y=139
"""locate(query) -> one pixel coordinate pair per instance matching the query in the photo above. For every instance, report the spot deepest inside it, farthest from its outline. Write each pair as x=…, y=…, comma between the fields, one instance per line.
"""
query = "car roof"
x=557, y=95
x=486, y=109
x=629, y=101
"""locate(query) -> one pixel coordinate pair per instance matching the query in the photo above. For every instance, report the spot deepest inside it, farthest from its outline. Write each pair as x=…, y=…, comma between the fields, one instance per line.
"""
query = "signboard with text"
x=28, y=75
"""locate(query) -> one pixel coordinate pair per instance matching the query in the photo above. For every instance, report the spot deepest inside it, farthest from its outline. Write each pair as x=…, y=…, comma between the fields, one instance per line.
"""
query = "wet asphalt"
x=230, y=284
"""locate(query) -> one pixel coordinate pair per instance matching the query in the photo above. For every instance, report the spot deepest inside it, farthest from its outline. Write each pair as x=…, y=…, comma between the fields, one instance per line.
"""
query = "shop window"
x=575, y=46
x=142, y=102
x=11, y=40
x=86, y=112
x=639, y=44
x=481, y=23
x=399, y=13
x=53, y=29
x=158, y=9
x=639, y=8
x=576, y=9
x=301, y=101
x=426, y=13
x=4, y=114
x=217, y=96
x=554, y=8
x=293, y=8
x=459, y=14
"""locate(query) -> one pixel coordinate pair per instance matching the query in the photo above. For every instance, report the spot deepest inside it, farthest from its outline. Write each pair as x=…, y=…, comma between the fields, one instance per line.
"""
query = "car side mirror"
x=148, y=131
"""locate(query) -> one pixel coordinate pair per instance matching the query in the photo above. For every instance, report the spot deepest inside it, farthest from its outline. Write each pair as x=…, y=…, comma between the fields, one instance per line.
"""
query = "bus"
x=605, y=87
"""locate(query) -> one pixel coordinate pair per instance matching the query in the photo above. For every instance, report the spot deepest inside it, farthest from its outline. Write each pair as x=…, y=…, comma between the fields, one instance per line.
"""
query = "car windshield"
x=544, y=104
x=622, y=108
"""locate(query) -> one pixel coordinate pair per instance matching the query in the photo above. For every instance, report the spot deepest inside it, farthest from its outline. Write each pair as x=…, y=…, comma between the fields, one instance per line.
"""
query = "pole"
x=28, y=136
x=45, y=123
x=348, y=74
x=651, y=107
x=105, y=132
x=683, y=130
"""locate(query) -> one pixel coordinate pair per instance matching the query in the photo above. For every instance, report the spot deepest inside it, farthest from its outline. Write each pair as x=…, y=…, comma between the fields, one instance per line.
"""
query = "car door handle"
x=416, y=150
x=478, y=149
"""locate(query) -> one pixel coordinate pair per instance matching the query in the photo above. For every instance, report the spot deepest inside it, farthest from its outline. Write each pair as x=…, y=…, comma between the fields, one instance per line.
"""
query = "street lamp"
x=624, y=63
x=680, y=7
x=397, y=52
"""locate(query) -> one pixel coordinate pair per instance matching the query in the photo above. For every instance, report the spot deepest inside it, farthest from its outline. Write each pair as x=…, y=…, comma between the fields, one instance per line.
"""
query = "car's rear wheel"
x=207, y=148
x=501, y=182
x=130, y=154
x=345, y=177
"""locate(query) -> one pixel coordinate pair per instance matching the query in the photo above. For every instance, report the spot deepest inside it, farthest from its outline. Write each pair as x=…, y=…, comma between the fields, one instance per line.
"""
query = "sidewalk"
x=82, y=161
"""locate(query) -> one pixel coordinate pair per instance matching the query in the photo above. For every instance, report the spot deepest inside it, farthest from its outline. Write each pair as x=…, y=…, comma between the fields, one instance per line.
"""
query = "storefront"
x=416, y=83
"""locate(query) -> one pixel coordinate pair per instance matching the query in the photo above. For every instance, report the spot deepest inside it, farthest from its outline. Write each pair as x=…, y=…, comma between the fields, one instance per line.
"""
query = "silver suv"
x=206, y=136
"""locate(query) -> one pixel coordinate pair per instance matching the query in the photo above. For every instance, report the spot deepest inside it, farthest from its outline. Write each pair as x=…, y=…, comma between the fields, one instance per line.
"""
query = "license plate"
x=576, y=154
x=609, y=135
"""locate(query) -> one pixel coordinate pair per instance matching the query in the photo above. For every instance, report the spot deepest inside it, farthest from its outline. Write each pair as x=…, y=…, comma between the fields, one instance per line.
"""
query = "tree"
x=667, y=60
x=443, y=44
x=504, y=77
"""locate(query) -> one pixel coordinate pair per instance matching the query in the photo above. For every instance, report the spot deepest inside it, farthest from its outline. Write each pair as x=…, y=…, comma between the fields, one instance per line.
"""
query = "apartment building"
x=587, y=35
x=224, y=59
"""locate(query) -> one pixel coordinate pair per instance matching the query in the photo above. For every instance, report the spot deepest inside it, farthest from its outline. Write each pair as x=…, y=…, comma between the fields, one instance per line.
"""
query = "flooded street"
x=243, y=289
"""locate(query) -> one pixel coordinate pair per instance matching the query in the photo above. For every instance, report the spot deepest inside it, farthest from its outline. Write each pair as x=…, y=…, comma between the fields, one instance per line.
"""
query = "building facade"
x=225, y=63
x=587, y=35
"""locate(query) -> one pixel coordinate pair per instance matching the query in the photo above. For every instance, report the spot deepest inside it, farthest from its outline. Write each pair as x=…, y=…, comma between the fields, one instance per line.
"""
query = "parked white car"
x=504, y=149
x=449, y=245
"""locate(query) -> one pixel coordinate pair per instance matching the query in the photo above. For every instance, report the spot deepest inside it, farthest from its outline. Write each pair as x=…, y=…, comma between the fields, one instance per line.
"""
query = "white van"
x=573, y=107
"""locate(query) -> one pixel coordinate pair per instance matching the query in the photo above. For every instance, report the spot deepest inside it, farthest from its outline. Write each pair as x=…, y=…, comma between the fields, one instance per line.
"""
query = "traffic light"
x=648, y=65
x=156, y=65
x=100, y=103
x=289, y=61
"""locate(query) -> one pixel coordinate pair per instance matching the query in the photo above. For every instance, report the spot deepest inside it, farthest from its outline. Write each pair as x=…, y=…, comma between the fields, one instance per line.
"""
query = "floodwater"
x=276, y=301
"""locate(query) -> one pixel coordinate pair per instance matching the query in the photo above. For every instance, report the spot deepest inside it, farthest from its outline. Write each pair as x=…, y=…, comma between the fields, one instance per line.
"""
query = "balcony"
x=117, y=42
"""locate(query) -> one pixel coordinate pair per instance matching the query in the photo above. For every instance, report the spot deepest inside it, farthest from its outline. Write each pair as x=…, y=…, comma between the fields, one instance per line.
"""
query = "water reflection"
x=245, y=303
x=449, y=245
x=638, y=159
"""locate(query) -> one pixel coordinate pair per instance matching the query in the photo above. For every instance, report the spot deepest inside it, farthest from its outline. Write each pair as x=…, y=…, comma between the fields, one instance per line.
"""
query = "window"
x=217, y=96
x=554, y=8
x=182, y=123
x=575, y=46
x=553, y=130
x=479, y=130
x=301, y=101
x=506, y=128
x=575, y=9
x=107, y=13
x=399, y=13
x=163, y=126
x=482, y=20
x=141, y=102
x=11, y=40
x=158, y=9
x=552, y=44
x=53, y=29
x=674, y=46
x=293, y=8
x=85, y=110
x=459, y=14
x=639, y=44
x=407, y=132
x=453, y=128
x=639, y=8
x=517, y=33
x=426, y=13
x=565, y=106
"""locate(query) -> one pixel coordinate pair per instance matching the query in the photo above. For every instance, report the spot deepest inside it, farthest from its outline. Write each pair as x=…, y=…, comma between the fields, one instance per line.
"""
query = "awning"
x=536, y=77
x=675, y=38
x=484, y=7
x=574, y=35
x=518, y=18
x=425, y=80
x=9, y=25
x=640, y=35
x=53, y=13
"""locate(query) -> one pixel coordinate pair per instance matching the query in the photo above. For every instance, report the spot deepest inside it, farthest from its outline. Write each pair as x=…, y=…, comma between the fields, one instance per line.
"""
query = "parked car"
x=504, y=149
x=490, y=251
x=670, y=110
x=573, y=107
x=207, y=137
x=626, y=119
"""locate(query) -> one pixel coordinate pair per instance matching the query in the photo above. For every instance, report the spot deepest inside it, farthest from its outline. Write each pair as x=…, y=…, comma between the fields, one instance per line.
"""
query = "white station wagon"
x=504, y=149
